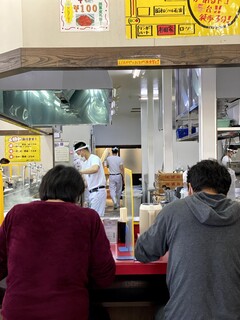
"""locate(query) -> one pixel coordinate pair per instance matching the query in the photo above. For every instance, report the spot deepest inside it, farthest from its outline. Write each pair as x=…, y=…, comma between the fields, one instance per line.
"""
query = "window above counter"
x=187, y=97
x=187, y=91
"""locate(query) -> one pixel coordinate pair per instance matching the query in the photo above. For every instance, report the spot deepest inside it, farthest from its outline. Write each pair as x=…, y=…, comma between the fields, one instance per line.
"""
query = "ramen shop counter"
x=138, y=290
x=133, y=267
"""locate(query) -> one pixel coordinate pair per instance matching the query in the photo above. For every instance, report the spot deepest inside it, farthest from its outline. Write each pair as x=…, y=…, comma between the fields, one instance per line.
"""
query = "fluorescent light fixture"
x=45, y=93
x=146, y=98
x=57, y=103
x=114, y=92
x=35, y=93
x=136, y=73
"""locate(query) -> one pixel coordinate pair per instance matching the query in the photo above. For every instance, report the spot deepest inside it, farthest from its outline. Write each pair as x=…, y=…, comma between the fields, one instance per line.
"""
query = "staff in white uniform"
x=116, y=176
x=95, y=177
x=231, y=150
x=79, y=165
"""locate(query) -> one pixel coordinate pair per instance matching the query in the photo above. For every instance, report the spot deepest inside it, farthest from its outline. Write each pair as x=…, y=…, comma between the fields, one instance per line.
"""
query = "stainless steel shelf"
x=190, y=137
x=223, y=133
x=228, y=129
x=228, y=132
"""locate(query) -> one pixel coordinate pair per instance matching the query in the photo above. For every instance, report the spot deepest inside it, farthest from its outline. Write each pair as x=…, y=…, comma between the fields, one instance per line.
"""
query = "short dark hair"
x=209, y=174
x=115, y=150
x=4, y=161
x=232, y=147
x=62, y=182
x=81, y=145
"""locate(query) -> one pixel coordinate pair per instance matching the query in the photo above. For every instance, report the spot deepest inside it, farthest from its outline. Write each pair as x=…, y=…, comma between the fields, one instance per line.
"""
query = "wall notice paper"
x=61, y=150
x=22, y=148
x=84, y=15
x=169, y=18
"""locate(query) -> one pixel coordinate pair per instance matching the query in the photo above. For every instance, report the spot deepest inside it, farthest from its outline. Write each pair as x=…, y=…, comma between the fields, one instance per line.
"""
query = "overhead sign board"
x=181, y=18
x=138, y=62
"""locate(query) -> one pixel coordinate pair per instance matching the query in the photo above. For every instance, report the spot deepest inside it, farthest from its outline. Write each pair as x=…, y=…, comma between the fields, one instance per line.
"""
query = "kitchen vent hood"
x=47, y=98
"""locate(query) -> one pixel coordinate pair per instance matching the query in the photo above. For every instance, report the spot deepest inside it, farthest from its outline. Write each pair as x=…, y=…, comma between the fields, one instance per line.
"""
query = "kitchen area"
x=50, y=79
x=56, y=118
x=54, y=145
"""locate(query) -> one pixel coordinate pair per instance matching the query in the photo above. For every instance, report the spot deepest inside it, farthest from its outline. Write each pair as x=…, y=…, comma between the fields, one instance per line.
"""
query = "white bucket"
x=147, y=215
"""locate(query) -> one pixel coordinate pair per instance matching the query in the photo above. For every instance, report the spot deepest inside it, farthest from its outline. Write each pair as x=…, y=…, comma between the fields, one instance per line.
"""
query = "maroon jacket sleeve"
x=3, y=251
x=102, y=264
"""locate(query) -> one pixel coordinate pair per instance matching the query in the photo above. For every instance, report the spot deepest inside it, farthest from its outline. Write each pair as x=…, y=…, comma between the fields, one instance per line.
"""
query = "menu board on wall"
x=84, y=15
x=174, y=18
x=22, y=148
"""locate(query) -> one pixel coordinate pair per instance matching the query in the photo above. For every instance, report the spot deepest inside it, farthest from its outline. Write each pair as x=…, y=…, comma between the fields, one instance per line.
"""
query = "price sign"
x=84, y=15
x=22, y=148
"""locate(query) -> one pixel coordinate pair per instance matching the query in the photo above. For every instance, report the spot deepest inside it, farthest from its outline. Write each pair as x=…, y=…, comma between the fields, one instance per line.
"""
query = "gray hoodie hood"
x=214, y=210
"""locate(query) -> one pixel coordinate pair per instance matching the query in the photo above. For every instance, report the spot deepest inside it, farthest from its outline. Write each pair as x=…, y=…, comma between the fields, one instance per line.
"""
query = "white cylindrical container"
x=147, y=215
x=123, y=214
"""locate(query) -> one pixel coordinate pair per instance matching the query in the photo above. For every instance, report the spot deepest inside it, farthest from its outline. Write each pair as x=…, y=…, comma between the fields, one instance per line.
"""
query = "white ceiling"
x=129, y=89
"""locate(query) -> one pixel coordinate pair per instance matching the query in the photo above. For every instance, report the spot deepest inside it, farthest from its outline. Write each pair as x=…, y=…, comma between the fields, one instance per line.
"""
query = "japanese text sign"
x=169, y=18
x=22, y=148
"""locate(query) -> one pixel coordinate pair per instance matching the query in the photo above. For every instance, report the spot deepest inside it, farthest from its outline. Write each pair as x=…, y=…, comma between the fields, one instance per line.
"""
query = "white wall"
x=10, y=25
x=73, y=134
x=44, y=18
x=228, y=82
x=186, y=153
x=69, y=134
x=26, y=23
x=125, y=130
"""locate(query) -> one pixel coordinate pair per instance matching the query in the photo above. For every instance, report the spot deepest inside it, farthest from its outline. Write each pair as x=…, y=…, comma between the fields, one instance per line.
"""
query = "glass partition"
x=20, y=183
x=130, y=211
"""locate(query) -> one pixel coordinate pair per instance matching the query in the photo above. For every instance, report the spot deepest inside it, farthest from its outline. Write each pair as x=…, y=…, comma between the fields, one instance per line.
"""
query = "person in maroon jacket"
x=52, y=252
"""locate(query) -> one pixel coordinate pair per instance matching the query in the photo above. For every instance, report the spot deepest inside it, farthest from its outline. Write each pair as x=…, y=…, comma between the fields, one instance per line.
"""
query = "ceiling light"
x=35, y=93
x=136, y=73
x=114, y=92
x=45, y=93
x=146, y=97
x=57, y=103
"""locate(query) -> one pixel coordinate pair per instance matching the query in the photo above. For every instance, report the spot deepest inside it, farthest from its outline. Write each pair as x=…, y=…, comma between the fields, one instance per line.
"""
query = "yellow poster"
x=181, y=18
x=22, y=148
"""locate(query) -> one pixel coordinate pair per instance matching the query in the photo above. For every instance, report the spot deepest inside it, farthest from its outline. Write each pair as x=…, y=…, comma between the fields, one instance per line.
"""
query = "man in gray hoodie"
x=202, y=234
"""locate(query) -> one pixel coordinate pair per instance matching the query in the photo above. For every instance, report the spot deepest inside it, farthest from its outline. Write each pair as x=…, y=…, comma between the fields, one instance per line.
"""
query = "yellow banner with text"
x=22, y=148
x=181, y=18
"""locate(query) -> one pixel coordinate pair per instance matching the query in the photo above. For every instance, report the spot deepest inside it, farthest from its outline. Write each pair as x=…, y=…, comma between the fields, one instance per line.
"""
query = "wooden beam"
x=170, y=57
x=18, y=133
x=10, y=63
x=27, y=59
